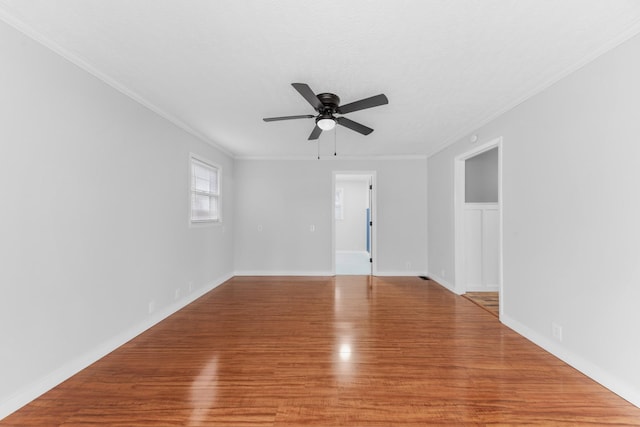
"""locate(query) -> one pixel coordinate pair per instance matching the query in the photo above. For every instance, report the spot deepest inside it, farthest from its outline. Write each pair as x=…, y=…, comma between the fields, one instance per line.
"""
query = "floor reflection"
x=344, y=366
x=351, y=324
x=203, y=392
x=345, y=352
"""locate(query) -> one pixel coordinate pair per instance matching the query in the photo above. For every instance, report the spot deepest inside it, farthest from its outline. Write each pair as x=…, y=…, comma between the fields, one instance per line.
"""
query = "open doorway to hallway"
x=478, y=181
x=353, y=223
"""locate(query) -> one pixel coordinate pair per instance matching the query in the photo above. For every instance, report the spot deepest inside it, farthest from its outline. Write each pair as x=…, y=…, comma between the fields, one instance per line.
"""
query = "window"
x=205, y=191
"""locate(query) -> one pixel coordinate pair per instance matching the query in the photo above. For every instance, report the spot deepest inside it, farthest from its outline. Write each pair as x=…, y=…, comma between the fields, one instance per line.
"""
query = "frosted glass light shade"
x=326, y=124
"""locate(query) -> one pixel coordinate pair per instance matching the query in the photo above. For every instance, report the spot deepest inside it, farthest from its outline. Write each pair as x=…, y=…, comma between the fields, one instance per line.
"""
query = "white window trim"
x=206, y=162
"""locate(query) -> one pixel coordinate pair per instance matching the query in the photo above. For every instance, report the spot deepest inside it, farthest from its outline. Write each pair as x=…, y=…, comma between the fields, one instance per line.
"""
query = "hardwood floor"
x=350, y=350
x=490, y=301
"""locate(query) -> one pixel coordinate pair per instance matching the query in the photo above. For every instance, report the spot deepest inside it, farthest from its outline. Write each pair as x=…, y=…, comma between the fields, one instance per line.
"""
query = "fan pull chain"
x=318, y=149
x=335, y=141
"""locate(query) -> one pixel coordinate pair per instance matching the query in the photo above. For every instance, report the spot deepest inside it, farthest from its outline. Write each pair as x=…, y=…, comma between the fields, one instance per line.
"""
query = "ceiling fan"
x=328, y=105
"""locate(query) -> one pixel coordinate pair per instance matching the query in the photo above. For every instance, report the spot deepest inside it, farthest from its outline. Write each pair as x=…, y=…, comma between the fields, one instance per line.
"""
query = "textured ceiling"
x=217, y=67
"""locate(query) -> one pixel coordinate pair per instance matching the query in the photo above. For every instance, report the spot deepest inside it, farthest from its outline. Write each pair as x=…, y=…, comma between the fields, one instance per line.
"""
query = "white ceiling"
x=216, y=68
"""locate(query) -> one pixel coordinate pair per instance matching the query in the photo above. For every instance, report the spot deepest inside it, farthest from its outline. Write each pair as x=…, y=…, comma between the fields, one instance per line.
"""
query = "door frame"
x=374, y=212
x=459, y=195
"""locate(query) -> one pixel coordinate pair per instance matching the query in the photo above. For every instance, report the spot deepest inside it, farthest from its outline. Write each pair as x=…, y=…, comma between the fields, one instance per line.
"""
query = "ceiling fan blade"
x=275, y=119
x=343, y=121
x=308, y=94
x=373, y=101
x=315, y=133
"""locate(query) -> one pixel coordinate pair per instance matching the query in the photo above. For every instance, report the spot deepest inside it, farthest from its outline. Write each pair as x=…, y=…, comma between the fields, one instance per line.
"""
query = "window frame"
x=196, y=160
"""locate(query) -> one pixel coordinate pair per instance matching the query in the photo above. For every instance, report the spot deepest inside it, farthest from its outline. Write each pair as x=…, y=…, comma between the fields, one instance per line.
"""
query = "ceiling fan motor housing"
x=330, y=102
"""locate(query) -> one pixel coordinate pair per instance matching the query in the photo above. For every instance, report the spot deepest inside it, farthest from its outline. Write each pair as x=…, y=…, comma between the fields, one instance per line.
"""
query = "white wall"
x=278, y=200
x=351, y=230
x=93, y=219
x=570, y=211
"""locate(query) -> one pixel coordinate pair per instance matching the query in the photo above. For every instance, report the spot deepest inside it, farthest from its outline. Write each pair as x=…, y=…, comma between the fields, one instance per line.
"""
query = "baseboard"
x=402, y=273
x=284, y=273
x=444, y=283
x=627, y=391
x=69, y=369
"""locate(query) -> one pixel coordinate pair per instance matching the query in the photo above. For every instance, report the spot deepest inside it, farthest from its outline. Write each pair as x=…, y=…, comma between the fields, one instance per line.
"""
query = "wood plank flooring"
x=490, y=301
x=350, y=350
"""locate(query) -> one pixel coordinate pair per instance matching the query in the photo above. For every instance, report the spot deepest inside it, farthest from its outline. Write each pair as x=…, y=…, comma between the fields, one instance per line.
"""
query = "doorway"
x=478, y=220
x=353, y=224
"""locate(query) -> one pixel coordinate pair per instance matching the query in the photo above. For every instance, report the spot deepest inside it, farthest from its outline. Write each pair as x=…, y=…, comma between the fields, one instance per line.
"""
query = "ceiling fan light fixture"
x=328, y=104
x=326, y=123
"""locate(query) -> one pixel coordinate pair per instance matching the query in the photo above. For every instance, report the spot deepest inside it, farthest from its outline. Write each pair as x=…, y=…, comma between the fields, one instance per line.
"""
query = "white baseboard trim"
x=403, y=273
x=444, y=283
x=284, y=273
x=69, y=369
x=619, y=386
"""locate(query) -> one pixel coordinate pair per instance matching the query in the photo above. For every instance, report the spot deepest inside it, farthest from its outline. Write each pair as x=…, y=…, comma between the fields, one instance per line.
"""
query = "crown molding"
x=87, y=67
x=628, y=33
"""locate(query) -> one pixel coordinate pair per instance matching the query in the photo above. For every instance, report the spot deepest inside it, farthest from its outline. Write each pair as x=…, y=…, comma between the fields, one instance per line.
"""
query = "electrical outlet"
x=407, y=265
x=176, y=294
x=556, y=331
x=442, y=273
x=152, y=306
x=312, y=228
